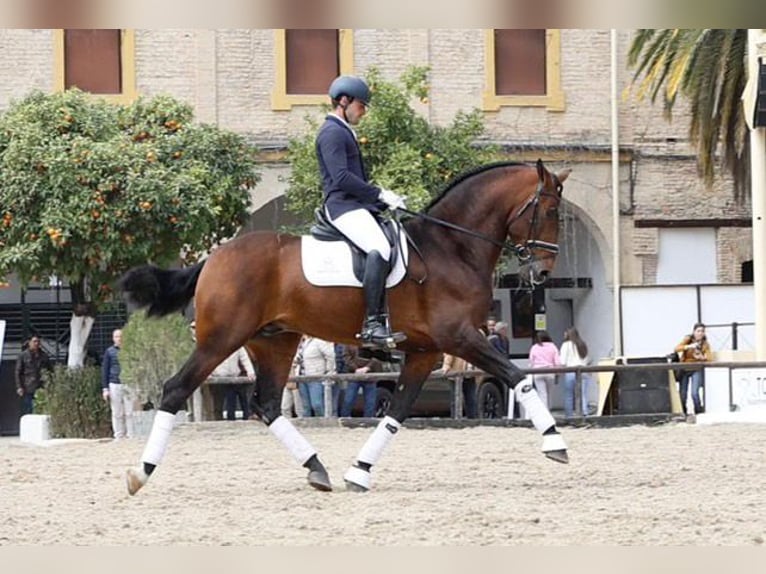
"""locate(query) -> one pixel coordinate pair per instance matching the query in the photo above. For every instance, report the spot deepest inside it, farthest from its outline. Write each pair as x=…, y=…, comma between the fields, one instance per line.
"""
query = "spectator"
x=452, y=364
x=499, y=338
x=29, y=374
x=291, y=405
x=693, y=348
x=120, y=399
x=355, y=363
x=234, y=366
x=318, y=360
x=543, y=353
x=574, y=353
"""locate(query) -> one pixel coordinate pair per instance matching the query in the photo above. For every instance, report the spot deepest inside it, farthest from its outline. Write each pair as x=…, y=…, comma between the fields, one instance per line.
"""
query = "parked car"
x=435, y=399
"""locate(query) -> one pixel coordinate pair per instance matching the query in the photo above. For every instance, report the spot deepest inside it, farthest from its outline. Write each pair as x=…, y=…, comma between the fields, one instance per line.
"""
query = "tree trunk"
x=79, y=327
x=83, y=317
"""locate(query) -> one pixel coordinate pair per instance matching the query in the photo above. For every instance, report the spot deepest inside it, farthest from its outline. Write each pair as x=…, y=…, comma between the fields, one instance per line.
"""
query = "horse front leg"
x=417, y=368
x=479, y=352
x=274, y=357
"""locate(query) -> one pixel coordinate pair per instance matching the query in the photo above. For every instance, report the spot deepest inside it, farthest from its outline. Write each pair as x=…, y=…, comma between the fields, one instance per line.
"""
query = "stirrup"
x=376, y=334
x=387, y=341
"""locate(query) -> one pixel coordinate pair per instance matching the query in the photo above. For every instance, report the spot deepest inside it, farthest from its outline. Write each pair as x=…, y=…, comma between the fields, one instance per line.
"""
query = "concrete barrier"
x=34, y=429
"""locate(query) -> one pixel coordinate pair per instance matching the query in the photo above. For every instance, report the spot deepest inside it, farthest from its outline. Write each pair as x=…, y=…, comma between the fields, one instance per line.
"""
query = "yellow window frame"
x=553, y=99
x=280, y=99
x=127, y=64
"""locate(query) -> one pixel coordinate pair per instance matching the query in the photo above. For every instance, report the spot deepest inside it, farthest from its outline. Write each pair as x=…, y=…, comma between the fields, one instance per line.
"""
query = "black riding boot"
x=375, y=330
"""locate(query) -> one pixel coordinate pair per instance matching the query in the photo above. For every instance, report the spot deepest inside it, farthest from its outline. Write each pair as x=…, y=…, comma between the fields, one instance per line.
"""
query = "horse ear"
x=540, y=169
x=563, y=175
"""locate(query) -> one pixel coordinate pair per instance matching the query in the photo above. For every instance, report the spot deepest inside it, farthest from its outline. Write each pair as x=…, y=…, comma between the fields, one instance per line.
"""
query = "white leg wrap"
x=553, y=442
x=358, y=476
x=154, y=451
x=533, y=406
x=379, y=439
x=292, y=439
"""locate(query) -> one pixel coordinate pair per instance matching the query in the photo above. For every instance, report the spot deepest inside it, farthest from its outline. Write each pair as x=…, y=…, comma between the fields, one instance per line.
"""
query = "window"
x=307, y=61
x=523, y=69
x=101, y=62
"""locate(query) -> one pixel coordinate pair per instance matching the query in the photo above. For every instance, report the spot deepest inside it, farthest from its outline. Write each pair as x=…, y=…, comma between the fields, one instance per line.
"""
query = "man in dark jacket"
x=120, y=401
x=353, y=204
x=29, y=368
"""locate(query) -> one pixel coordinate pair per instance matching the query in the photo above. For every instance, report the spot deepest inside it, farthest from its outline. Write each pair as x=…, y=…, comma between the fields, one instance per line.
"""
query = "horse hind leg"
x=274, y=357
x=176, y=390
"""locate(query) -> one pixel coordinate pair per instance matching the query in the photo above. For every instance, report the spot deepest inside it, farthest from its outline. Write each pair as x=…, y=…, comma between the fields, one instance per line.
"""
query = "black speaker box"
x=643, y=392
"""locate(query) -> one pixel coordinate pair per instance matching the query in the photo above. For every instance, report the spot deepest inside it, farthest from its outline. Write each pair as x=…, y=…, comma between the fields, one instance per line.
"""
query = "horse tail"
x=161, y=290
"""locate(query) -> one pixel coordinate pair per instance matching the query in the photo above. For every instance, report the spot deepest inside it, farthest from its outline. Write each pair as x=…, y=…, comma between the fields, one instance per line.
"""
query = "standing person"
x=120, y=399
x=233, y=366
x=318, y=360
x=499, y=338
x=355, y=363
x=693, y=348
x=544, y=353
x=451, y=364
x=292, y=405
x=353, y=205
x=29, y=374
x=574, y=353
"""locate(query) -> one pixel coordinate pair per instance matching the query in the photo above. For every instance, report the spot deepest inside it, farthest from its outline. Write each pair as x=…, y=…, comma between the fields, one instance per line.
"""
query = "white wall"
x=654, y=319
x=686, y=256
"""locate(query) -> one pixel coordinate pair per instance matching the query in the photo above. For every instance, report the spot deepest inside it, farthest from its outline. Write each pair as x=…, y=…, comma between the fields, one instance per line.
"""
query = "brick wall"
x=228, y=75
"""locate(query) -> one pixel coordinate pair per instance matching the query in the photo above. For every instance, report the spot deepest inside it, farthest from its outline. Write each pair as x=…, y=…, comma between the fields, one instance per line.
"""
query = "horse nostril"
x=544, y=274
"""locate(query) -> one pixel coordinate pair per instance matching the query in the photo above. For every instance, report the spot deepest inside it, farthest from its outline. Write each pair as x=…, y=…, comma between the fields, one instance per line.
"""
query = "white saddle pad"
x=328, y=263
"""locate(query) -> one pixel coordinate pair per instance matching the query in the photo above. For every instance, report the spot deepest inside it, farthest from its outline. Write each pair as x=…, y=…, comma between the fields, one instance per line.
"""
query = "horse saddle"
x=329, y=259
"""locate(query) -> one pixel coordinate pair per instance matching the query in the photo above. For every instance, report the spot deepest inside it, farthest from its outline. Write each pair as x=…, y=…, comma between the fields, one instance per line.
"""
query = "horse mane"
x=466, y=175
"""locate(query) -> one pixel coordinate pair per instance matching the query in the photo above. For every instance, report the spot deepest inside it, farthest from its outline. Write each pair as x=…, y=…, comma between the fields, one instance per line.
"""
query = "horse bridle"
x=523, y=251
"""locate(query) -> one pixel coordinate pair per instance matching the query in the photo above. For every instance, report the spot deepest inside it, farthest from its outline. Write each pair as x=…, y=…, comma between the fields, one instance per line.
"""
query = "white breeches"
x=121, y=404
x=361, y=227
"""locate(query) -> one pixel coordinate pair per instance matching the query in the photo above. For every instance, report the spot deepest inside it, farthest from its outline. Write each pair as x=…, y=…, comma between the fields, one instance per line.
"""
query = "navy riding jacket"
x=343, y=175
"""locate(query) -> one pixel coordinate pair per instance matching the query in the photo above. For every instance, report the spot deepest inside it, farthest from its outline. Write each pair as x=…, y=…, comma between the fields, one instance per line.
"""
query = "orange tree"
x=401, y=149
x=89, y=189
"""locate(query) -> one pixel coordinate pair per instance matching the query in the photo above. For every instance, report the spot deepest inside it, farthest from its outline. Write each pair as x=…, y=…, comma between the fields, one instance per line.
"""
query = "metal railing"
x=457, y=376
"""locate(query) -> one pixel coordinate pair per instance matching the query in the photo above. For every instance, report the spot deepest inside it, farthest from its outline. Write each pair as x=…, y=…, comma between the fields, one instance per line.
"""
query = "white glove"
x=391, y=199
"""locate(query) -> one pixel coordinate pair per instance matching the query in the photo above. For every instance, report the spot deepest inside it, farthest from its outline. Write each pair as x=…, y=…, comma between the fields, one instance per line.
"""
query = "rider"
x=353, y=205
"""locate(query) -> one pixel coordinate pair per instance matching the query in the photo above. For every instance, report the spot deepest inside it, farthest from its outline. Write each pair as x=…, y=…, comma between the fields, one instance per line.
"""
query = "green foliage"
x=152, y=351
x=72, y=398
x=89, y=189
x=401, y=150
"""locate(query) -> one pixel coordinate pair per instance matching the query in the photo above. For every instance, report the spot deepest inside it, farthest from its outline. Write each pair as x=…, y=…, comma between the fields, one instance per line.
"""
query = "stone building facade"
x=231, y=77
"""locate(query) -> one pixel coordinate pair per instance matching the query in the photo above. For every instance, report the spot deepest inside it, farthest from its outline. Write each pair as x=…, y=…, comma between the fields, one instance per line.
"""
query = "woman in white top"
x=574, y=353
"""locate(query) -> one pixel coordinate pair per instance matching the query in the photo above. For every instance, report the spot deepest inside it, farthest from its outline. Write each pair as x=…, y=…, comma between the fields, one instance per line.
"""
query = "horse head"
x=533, y=227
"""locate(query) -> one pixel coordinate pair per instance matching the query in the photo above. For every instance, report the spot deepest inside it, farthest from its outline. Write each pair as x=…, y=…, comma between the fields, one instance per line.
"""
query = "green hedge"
x=153, y=349
x=72, y=398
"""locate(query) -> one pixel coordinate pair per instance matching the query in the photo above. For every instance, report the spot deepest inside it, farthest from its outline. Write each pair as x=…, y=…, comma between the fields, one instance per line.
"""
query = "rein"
x=522, y=251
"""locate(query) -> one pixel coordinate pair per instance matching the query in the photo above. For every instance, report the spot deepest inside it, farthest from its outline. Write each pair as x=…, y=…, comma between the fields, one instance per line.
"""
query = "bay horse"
x=251, y=291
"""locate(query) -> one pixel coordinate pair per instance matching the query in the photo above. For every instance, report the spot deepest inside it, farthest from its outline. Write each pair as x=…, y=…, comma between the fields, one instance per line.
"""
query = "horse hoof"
x=357, y=479
x=558, y=456
x=354, y=487
x=135, y=480
x=320, y=480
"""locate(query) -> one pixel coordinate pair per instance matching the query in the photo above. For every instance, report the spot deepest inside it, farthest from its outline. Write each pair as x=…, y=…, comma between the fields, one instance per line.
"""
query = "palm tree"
x=708, y=67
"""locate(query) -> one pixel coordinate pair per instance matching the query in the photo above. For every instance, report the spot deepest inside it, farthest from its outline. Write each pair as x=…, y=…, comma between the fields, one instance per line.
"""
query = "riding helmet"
x=351, y=86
